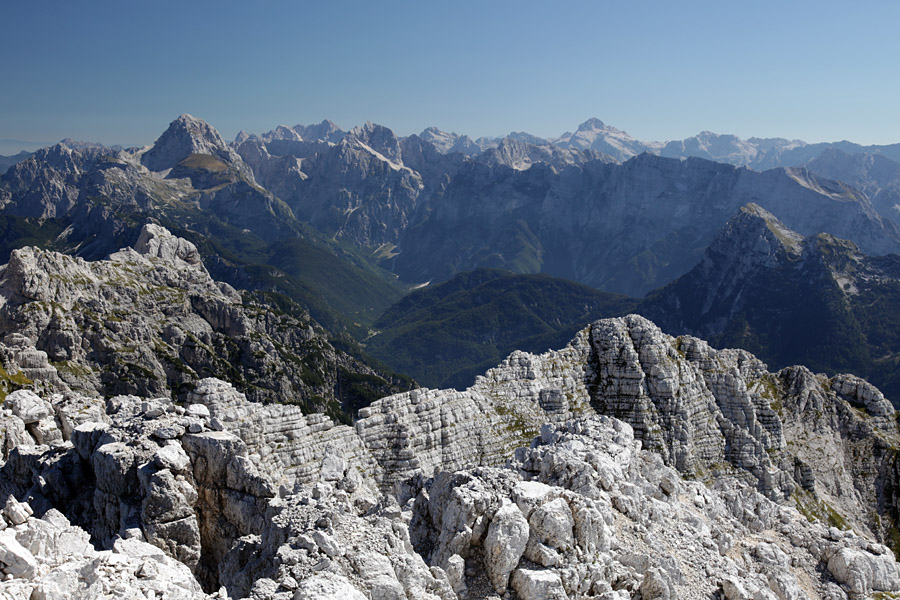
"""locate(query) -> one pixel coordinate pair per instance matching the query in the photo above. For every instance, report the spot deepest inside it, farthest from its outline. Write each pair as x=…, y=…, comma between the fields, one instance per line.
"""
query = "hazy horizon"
x=118, y=74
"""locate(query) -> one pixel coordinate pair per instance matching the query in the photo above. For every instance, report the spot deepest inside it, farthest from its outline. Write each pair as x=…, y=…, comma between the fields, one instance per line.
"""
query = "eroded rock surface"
x=713, y=476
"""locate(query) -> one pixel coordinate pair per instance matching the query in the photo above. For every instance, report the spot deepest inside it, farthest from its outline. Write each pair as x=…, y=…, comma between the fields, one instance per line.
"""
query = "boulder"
x=863, y=572
x=504, y=545
x=28, y=406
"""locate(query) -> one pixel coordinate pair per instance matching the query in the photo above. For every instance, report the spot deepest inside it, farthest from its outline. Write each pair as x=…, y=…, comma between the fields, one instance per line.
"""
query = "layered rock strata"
x=582, y=512
x=516, y=485
x=828, y=444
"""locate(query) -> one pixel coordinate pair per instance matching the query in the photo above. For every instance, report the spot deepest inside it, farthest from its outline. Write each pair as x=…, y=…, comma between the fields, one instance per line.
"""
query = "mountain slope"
x=151, y=321
x=99, y=198
x=7, y=161
x=444, y=335
x=874, y=174
x=817, y=300
x=626, y=228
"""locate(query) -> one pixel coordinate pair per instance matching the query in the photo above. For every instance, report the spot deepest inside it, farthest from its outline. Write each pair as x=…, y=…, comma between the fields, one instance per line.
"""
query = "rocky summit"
x=150, y=320
x=629, y=464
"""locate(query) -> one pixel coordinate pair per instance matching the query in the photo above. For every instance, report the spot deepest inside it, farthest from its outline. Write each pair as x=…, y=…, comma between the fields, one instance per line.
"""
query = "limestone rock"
x=430, y=495
x=28, y=406
x=17, y=561
x=326, y=586
x=863, y=572
x=16, y=512
x=532, y=584
x=552, y=524
x=656, y=586
x=505, y=544
x=147, y=322
x=156, y=241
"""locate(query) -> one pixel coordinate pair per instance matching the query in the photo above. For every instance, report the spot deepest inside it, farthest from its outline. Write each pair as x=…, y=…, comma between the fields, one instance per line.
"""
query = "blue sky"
x=116, y=72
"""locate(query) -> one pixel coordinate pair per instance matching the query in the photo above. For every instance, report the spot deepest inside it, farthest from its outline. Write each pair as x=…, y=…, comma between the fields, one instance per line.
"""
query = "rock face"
x=871, y=172
x=661, y=212
x=187, y=136
x=522, y=155
x=189, y=175
x=341, y=188
x=49, y=558
x=516, y=485
x=151, y=321
x=137, y=478
x=709, y=414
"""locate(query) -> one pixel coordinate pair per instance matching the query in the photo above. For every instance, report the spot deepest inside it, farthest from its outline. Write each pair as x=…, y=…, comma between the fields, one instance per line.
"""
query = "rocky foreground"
x=629, y=464
x=583, y=512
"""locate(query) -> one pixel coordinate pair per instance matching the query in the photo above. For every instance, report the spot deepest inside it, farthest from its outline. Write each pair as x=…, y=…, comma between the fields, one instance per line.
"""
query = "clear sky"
x=119, y=72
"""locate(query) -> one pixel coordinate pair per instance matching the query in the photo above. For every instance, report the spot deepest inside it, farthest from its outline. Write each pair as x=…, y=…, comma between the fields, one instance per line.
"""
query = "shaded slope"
x=447, y=334
x=626, y=228
x=152, y=321
x=816, y=301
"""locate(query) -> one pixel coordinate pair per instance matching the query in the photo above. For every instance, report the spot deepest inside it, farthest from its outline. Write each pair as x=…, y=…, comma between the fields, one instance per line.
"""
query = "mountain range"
x=400, y=204
x=345, y=223
x=201, y=340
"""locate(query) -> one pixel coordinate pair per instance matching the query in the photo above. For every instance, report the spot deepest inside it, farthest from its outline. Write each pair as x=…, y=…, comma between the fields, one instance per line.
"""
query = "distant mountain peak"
x=81, y=145
x=368, y=129
x=186, y=135
x=594, y=134
x=325, y=124
x=452, y=142
x=326, y=131
x=378, y=139
x=755, y=232
x=592, y=124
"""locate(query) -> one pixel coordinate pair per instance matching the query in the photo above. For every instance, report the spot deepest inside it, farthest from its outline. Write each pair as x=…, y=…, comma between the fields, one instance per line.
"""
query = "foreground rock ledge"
x=582, y=513
x=514, y=487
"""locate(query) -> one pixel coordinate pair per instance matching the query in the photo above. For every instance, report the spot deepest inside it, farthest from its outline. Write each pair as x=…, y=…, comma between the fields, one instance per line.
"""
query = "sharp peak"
x=592, y=123
x=187, y=117
x=754, y=215
x=192, y=123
